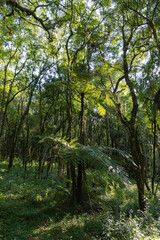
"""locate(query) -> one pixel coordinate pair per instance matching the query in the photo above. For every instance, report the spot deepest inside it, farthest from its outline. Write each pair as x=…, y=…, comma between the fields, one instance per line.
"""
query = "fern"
x=95, y=157
x=84, y=154
x=123, y=155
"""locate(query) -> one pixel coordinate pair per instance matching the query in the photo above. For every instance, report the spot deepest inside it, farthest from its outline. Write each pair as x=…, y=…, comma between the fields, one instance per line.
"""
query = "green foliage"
x=77, y=233
x=96, y=157
x=153, y=207
x=51, y=53
x=94, y=227
x=38, y=209
x=101, y=110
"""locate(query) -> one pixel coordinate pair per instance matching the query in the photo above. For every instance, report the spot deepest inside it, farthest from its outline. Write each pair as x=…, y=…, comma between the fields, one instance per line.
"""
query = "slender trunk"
x=107, y=128
x=158, y=150
x=26, y=150
x=82, y=121
x=154, y=155
x=144, y=152
x=82, y=140
x=48, y=167
x=69, y=135
x=74, y=186
x=63, y=124
x=50, y=160
x=79, y=183
x=41, y=133
x=68, y=175
x=69, y=110
x=25, y=171
x=59, y=169
x=12, y=153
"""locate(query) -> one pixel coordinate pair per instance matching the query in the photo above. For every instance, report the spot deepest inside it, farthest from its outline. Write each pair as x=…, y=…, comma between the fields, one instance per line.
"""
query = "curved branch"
x=29, y=12
x=119, y=80
x=46, y=26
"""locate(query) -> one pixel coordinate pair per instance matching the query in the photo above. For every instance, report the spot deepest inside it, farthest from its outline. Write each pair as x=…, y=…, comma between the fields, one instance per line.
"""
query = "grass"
x=38, y=210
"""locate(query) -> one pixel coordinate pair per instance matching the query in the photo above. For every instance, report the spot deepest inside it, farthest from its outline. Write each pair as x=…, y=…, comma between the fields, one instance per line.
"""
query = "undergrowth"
x=38, y=210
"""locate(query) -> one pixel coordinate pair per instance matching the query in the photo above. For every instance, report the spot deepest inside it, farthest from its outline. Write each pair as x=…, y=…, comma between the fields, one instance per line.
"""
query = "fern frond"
x=96, y=157
x=119, y=153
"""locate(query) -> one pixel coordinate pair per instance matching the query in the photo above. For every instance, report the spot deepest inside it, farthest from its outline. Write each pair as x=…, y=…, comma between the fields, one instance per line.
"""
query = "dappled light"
x=79, y=120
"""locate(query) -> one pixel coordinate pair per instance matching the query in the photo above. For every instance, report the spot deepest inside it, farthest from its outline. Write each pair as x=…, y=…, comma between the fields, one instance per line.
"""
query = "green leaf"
x=101, y=110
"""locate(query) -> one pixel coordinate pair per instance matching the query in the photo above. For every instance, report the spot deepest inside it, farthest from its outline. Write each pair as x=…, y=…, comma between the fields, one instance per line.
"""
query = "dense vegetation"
x=41, y=209
x=79, y=119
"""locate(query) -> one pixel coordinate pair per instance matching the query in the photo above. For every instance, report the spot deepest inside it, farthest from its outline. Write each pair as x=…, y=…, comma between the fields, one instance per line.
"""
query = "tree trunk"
x=107, y=128
x=140, y=186
x=68, y=175
x=11, y=158
x=79, y=183
x=82, y=140
x=139, y=161
x=74, y=186
x=13, y=146
x=154, y=155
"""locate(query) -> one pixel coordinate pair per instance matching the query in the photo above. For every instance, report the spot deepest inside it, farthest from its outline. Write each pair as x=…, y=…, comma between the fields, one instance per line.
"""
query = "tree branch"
x=119, y=80
x=46, y=26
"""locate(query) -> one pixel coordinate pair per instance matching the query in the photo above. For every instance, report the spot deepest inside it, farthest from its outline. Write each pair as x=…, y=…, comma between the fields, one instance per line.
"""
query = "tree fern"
x=95, y=157
x=84, y=154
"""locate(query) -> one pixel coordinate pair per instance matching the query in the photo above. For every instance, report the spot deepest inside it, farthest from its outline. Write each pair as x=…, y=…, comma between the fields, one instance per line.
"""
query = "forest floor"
x=41, y=210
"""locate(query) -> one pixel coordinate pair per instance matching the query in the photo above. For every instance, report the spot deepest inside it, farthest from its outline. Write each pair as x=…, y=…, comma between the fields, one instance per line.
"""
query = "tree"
x=129, y=45
x=62, y=62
